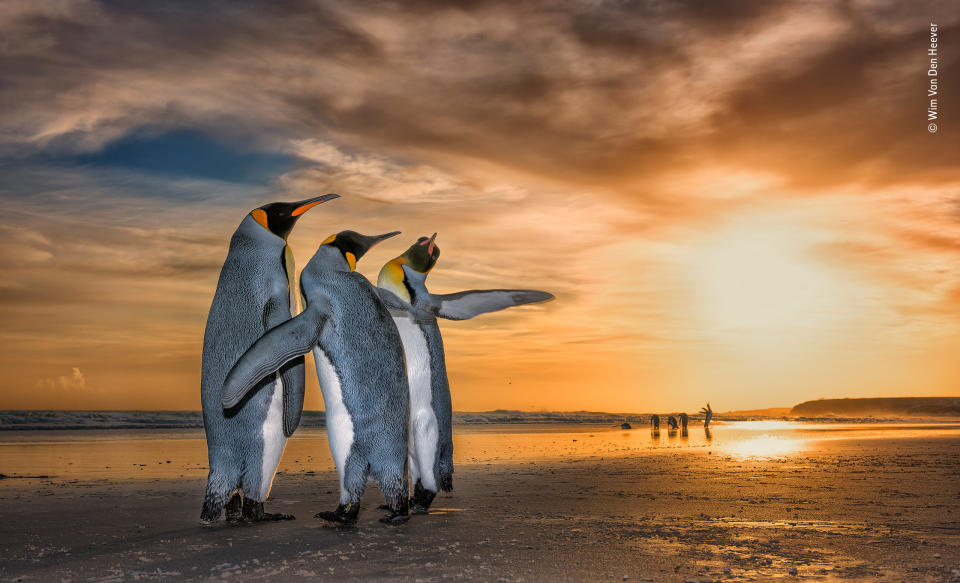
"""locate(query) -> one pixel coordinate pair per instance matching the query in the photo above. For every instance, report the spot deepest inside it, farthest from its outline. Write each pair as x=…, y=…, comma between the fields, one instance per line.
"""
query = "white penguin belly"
x=339, y=423
x=424, y=430
x=273, y=439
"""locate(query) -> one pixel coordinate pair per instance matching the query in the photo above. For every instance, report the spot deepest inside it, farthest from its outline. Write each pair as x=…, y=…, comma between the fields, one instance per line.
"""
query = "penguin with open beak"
x=415, y=310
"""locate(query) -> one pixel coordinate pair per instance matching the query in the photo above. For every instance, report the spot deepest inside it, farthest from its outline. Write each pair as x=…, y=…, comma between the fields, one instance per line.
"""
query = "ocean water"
x=117, y=454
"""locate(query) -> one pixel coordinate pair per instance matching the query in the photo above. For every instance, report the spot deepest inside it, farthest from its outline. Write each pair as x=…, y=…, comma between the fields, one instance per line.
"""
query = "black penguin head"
x=279, y=217
x=353, y=245
x=422, y=255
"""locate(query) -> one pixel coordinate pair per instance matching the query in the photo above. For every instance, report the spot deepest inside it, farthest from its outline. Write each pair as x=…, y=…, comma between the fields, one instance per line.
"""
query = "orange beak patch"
x=302, y=209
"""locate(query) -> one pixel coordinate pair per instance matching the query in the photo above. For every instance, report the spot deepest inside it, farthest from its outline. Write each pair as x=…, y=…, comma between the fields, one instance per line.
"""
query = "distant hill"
x=881, y=406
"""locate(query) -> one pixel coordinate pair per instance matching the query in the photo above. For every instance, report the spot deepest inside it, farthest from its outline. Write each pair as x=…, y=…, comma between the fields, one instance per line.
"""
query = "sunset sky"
x=734, y=202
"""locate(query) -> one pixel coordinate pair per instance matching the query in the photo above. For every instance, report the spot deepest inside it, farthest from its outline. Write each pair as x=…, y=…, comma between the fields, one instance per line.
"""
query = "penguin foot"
x=212, y=508
x=344, y=514
x=234, y=509
x=394, y=519
x=253, y=512
x=421, y=500
x=276, y=516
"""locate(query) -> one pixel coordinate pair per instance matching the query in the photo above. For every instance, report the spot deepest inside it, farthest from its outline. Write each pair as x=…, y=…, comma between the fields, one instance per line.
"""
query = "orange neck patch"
x=260, y=216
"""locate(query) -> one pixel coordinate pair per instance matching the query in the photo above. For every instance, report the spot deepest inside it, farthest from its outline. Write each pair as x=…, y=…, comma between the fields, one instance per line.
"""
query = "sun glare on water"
x=766, y=446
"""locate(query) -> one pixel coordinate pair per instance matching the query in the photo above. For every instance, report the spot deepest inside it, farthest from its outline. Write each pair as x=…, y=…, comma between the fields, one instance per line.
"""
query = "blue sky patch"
x=190, y=154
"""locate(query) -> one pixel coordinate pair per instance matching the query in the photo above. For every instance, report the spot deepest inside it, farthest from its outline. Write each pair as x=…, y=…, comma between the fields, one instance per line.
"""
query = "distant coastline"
x=826, y=410
x=894, y=406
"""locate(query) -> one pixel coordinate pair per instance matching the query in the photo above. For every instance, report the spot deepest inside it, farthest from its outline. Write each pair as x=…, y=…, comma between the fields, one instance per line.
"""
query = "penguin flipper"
x=292, y=374
x=467, y=304
x=393, y=301
x=293, y=338
x=397, y=304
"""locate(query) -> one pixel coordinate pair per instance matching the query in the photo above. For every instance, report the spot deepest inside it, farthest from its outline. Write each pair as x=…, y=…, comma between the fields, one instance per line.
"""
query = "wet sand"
x=876, y=504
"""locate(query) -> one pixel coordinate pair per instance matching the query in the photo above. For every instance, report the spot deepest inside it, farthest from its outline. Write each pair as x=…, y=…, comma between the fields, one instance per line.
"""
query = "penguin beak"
x=368, y=241
x=430, y=247
x=305, y=205
x=377, y=238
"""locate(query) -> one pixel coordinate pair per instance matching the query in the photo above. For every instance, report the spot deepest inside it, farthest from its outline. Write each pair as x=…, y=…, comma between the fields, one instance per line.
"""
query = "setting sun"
x=758, y=276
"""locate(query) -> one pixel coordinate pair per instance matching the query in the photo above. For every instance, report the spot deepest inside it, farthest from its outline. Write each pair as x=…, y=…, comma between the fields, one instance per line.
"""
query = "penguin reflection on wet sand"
x=415, y=311
x=255, y=292
x=359, y=358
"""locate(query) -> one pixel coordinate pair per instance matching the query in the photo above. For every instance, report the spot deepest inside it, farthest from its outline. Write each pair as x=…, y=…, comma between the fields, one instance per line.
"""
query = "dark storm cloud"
x=854, y=113
x=564, y=91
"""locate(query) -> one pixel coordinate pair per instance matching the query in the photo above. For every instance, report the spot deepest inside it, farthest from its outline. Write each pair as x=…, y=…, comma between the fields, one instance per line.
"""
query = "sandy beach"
x=531, y=504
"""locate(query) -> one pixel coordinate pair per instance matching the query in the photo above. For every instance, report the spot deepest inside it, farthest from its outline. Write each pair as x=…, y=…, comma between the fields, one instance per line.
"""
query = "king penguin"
x=255, y=293
x=359, y=360
x=431, y=410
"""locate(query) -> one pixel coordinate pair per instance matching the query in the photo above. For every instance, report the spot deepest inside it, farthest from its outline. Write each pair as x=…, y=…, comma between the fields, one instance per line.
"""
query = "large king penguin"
x=431, y=432
x=255, y=293
x=359, y=358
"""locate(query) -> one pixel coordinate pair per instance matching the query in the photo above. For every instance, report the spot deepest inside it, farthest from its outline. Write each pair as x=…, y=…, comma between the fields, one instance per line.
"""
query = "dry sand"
x=861, y=510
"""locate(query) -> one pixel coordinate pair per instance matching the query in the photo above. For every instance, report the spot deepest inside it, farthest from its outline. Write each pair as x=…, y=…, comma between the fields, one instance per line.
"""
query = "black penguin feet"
x=344, y=514
x=212, y=507
x=421, y=500
x=276, y=516
x=253, y=512
x=399, y=508
x=234, y=509
x=394, y=519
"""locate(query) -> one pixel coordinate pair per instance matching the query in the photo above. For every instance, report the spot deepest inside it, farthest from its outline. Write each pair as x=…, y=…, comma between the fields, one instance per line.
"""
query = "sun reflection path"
x=766, y=446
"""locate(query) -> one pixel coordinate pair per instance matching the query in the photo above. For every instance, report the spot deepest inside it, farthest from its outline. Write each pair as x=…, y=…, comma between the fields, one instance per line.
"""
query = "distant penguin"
x=707, y=415
x=255, y=293
x=360, y=366
x=431, y=411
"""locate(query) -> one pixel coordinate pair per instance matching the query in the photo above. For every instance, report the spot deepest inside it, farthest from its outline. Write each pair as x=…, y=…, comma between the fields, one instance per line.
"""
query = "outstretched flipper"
x=293, y=338
x=467, y=304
